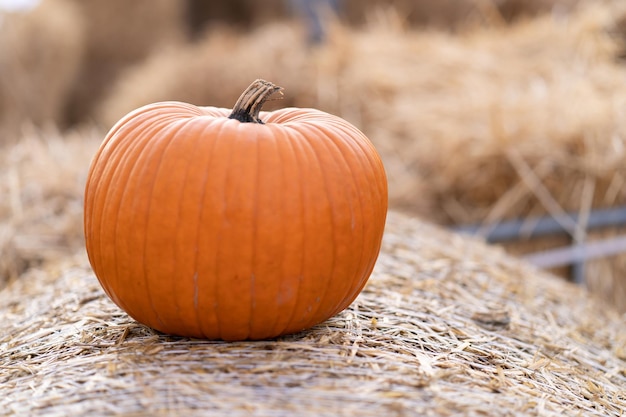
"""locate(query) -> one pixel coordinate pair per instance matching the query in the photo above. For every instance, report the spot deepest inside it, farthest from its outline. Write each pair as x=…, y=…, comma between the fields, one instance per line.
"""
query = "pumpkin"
x=233, y=225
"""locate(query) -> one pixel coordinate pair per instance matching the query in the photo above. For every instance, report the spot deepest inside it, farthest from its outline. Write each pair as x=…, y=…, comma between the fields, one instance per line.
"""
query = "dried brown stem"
x=249, y=104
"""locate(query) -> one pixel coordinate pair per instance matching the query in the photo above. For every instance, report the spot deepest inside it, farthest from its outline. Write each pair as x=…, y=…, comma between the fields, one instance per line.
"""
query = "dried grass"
x=42, y=180
x=446, y=326
x=46, y=40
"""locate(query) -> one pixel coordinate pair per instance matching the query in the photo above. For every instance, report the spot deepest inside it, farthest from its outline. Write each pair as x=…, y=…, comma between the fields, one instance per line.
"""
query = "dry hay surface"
x=42, y=179
x=446, y=326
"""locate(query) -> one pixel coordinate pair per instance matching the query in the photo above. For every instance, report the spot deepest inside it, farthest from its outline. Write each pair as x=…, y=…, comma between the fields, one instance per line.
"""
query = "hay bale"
x=41, y=183
x=40, y=53
x=464, y=114
x=446, y=326
x=121, y=33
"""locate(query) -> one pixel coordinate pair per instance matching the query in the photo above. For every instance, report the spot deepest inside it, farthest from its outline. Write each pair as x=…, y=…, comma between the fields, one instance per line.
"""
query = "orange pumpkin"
x=242, y=224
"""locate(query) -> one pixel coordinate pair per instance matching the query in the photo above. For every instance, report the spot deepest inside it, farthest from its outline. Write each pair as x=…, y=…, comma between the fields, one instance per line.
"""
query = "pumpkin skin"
x=200, y=225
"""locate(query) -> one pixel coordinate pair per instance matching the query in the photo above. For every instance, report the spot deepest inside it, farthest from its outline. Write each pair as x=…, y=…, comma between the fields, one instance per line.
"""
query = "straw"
x=446, y=326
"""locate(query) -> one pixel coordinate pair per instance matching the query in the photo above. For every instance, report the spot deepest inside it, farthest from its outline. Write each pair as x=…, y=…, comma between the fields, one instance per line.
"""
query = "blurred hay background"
x=40, y=57
x=120, y=33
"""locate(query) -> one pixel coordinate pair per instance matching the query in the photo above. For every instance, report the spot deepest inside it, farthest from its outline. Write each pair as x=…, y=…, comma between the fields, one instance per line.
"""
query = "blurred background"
x=503, y=118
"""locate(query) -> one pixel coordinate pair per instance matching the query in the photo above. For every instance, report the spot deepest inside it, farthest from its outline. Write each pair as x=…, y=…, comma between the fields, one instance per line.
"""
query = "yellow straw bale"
x=445, y=327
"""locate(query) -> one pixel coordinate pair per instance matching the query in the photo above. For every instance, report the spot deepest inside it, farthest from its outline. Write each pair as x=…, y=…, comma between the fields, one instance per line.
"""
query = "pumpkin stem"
x=248, y=106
